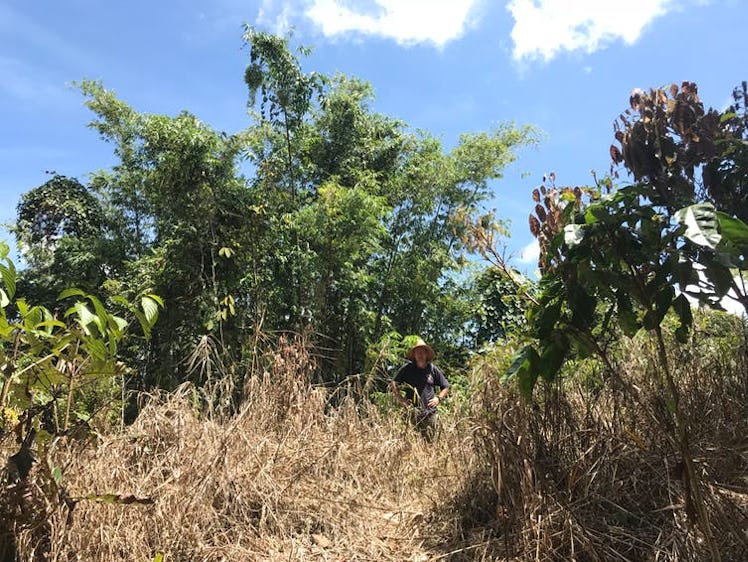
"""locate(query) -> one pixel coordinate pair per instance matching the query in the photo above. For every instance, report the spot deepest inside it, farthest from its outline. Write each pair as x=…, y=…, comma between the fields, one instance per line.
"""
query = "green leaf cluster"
x=627, y=257
x=49, y=360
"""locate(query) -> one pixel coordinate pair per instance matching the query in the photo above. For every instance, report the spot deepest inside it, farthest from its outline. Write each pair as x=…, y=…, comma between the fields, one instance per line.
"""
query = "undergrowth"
x=302, y=472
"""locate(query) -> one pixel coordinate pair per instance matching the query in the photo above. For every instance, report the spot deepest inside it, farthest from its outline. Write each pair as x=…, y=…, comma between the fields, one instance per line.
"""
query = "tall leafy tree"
x=184, y=208
x=345, y=226
x=632, y=254
x=400, y=189
x=61, y=230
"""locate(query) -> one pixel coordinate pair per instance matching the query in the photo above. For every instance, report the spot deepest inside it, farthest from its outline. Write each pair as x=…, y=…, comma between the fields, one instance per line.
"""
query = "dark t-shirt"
x=424, y=381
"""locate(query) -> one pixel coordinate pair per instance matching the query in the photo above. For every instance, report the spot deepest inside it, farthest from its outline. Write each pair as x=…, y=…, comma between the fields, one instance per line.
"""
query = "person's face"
x=421, y=356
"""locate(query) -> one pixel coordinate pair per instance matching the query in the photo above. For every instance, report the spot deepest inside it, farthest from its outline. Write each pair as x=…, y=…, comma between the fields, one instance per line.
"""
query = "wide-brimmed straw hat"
x=421, y=343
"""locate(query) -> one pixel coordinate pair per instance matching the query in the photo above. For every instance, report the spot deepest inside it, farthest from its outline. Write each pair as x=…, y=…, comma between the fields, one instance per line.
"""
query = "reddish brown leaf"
x=615, y=154
x=534, y=226
x=635, y=99
x=536, y=195
x=551, y=220
x=540, y=211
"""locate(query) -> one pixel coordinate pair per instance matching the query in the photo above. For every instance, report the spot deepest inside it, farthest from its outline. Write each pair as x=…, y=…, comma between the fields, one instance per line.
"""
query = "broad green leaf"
x=601, y=213
x=144, y=324
x=590, y=215
x=99, y=310
x=551, y=360
x=524, y=369
x=159, y=301
x=86, y=318
x=702, y=226
x=4, y=300
x=626, y=316
x=8, y=273
x=119, y=322
x=682, y=308
x=685, y=273
x=582, y=307
x=733, y=230
x=517, y=359
x=33, y=317
x=150, y=310
x=719, y=274
x=71, y=293
x=51, y=324
x=526, y=379
x=549, y=315
x=97, y=349
x=663, y=300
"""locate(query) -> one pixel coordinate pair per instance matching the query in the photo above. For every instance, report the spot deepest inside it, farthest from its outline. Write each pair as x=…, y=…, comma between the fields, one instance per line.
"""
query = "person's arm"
x=436, y=400
x=442, y=382
x=400, y=398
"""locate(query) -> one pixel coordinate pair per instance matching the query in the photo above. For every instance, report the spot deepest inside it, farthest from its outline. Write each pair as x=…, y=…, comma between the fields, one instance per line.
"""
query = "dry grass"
x=583, y=475
x=592, y=474
x=288, y=478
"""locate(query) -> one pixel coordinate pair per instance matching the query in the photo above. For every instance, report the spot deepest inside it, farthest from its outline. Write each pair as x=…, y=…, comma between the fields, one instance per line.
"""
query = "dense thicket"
x=320, y=216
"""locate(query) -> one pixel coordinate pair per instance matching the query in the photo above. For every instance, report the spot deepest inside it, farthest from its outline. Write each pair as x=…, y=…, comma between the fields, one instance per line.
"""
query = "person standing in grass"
x=421, y=376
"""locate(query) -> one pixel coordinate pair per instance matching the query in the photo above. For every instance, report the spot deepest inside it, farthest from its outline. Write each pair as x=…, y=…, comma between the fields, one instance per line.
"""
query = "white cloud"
x=530, y=253
x=408, y=22
x=544, y=28
x=278, y=14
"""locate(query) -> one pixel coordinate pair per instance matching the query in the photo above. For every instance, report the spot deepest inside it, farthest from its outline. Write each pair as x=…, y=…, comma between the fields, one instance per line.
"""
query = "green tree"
x=345, y=226
x=61, y=231
x=185, y=209
x=690, y=155
x=626, y=257
x=397, y=273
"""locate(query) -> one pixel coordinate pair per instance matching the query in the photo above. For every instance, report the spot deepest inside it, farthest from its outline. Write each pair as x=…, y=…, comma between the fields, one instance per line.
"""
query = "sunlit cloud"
x=529, y=254
x=280, y=15
x=544, y=28
x=407, y=22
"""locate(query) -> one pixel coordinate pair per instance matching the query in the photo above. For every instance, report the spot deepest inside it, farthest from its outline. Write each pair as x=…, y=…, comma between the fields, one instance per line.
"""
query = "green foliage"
x=60, y=229
x=696, y=162
x=347, y=225
x=183, y=210
x=626, y=257
x=49, y=363
x=501, y=310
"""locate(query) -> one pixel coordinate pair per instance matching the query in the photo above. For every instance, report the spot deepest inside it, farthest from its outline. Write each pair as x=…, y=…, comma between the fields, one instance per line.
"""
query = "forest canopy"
x=319, y=216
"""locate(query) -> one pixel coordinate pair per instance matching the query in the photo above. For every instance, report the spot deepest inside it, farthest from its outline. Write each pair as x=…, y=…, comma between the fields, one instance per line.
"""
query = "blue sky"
x=446, y=66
